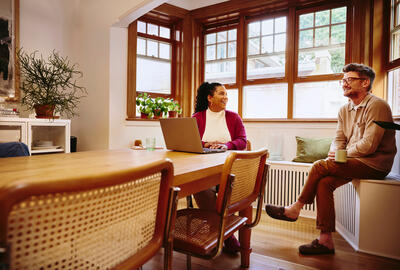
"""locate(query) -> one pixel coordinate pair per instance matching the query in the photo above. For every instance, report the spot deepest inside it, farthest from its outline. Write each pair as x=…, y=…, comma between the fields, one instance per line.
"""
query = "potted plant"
x=159, y=107
x=50, y=86
x=173, y=108
x=145, y=105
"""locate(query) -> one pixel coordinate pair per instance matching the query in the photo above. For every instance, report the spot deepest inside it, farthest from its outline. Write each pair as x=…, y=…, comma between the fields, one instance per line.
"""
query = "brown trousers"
x=324, y=177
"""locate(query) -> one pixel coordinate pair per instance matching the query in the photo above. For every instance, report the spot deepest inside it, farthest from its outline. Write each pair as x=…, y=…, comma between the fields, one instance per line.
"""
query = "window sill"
x=298, y=120
x=140, y=119
x=142, y=122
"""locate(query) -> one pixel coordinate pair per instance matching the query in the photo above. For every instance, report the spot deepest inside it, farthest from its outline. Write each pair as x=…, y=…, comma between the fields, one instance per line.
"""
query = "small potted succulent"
x=145, y=105
x=49, y=86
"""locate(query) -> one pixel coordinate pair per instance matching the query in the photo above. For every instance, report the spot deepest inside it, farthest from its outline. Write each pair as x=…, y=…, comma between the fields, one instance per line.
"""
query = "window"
x=288, y=65
x=394, y=91
x=154, y=54
x=321, y=51
x=265, y=101
x=220, y=56
x=395, y=31
x=265, y=88
x=317, y=99
x=394, y=73
x=266, y=47
x=233, y=97
x=322, y=40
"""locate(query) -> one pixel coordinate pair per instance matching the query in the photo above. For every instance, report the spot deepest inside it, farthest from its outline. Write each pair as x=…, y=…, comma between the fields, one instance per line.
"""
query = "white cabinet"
x=12, y=131
x=33, y=132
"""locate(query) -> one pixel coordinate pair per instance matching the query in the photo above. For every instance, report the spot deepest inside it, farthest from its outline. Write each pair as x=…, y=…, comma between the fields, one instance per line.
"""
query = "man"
x=370, y=151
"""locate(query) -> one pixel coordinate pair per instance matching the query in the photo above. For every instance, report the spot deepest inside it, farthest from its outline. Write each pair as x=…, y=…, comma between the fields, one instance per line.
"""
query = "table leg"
x=244, y=238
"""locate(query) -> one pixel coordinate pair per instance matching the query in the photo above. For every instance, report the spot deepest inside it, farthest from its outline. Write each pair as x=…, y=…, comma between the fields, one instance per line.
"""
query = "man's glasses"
x=349, y=80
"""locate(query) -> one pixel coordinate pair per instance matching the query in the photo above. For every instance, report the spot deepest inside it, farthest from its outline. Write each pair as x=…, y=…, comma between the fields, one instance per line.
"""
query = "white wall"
x=47, y=25
x=96, y=18
x=80, y=29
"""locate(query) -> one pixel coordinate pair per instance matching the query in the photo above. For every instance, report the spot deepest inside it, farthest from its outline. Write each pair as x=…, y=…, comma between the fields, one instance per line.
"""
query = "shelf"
x=42, y=151
x=30, y=131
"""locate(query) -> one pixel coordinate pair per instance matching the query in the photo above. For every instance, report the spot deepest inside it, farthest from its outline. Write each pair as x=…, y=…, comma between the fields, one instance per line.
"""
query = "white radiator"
x=285, y=182
x=284, y=185
x=347, y=223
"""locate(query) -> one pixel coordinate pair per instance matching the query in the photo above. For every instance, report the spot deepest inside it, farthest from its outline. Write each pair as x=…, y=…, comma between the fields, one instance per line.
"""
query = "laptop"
x=182, y=134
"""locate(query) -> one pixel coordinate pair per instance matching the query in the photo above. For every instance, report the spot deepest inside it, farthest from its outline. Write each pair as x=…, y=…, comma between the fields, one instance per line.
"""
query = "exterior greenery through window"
x=322, y=40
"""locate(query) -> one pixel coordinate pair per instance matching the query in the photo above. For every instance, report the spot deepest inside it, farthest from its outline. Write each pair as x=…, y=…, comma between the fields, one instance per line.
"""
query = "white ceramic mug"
x=341, y=155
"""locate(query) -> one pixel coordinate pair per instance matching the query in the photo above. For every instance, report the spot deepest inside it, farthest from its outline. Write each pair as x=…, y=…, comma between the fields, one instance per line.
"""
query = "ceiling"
x=194, y=4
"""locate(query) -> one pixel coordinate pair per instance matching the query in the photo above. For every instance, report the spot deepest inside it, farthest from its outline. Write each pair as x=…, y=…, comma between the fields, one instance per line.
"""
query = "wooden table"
x=192, y=172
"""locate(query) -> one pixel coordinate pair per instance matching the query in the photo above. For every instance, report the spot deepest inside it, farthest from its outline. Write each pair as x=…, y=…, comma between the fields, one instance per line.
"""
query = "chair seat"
x=196, y=230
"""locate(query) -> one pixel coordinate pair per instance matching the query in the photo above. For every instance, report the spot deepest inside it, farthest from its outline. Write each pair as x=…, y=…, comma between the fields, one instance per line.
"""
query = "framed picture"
x=9, y=43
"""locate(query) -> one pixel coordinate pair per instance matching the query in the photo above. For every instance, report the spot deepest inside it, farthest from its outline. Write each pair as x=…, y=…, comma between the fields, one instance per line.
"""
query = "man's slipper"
x=278, y=212
x=315, y=248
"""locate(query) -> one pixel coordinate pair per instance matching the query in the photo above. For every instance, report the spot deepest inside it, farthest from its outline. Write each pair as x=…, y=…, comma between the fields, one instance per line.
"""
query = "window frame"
x=249, y=20
x=291, y=55
x=160, y=39
x=391, y=6
x=133, y=36
x=321, y=77
x=204, y=45
x=392, y=64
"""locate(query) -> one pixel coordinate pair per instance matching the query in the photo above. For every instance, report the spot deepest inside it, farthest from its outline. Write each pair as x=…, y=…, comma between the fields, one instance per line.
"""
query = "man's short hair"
x=362, y=70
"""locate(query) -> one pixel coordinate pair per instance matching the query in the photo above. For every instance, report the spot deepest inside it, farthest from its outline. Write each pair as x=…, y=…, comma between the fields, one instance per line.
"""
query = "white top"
x=216, y=127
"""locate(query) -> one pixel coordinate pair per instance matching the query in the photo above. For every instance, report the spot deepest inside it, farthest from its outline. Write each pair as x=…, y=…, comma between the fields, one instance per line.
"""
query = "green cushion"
x=312, y=149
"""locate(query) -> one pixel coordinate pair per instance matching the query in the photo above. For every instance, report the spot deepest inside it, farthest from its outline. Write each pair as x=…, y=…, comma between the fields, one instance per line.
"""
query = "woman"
x=218, y=128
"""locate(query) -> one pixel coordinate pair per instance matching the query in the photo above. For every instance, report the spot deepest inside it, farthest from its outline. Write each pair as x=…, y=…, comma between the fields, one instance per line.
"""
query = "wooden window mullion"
x=291, y=54
x=241, y=61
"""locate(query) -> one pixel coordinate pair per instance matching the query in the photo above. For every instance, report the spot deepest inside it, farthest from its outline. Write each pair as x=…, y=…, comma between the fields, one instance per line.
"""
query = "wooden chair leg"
x=168, y=258
x=188, y=262
x=189, y=201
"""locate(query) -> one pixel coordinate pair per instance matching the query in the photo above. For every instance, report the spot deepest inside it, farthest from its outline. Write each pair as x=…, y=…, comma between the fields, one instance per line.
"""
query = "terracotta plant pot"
x=172, y=114
x=45, y=111
x=144, y=115
x=157, y=114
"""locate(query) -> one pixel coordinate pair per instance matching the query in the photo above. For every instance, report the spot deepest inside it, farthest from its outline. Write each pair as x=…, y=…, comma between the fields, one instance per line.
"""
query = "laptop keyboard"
x=209, y=150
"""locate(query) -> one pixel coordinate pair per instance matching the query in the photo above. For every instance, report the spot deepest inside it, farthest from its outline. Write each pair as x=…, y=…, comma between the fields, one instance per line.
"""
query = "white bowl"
x=44, y=143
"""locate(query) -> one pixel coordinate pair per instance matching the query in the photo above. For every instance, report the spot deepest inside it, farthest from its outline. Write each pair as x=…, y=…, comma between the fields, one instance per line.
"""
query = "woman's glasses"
x=349, y=80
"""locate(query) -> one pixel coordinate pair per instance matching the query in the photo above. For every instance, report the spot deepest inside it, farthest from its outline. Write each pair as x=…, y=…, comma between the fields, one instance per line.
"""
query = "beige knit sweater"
x=363, y=139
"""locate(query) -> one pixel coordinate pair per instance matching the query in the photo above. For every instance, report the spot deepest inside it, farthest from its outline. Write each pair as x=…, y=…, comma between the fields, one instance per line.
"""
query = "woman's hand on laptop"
x=215, y=145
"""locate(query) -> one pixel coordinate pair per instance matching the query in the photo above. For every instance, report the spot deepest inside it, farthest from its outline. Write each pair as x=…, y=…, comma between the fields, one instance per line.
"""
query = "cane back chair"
x=189, y=199
x=200, y=232
x=119, y=220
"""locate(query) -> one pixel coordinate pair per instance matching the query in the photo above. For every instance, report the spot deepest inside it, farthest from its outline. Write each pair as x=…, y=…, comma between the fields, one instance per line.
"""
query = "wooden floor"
x=275, y=246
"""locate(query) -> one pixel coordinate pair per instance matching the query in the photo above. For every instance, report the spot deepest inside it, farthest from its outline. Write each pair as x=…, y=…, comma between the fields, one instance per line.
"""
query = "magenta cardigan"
x=235, y=127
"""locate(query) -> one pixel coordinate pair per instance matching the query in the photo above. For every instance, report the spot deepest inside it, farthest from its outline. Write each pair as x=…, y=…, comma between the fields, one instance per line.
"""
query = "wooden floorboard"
x=275, y=246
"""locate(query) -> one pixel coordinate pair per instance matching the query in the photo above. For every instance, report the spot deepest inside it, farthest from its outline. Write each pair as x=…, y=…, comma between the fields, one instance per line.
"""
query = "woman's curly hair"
x=203, y=91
